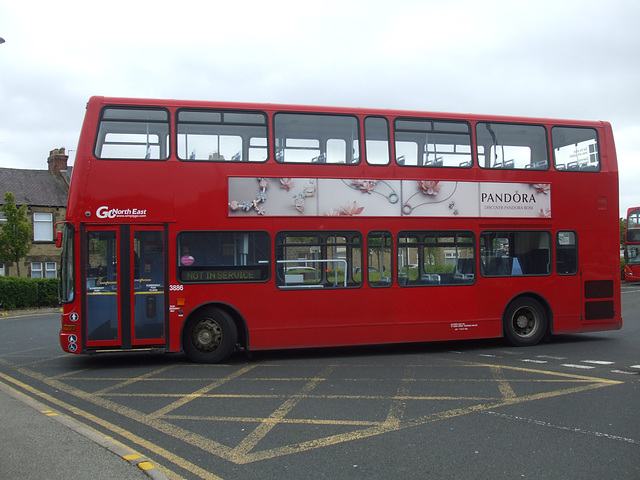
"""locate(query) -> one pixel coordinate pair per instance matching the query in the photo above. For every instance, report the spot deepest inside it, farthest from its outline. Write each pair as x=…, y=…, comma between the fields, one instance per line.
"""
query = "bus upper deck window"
x=432, y=143
x=317, y=138
x=376, y=132
x=222, y=136
x=575, y=149
x=133, y=134
x=512, y=146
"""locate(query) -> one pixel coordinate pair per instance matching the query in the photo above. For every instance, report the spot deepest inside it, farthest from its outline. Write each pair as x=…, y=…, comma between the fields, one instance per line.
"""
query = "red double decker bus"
x=207, y=227
x=632, y=253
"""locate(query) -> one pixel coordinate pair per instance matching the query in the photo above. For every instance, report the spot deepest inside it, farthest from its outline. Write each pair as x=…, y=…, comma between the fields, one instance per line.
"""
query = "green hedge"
x=28, y=292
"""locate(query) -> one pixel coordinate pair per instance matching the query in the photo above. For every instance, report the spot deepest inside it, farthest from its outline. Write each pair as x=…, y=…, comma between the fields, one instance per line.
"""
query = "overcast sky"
x=576, y=59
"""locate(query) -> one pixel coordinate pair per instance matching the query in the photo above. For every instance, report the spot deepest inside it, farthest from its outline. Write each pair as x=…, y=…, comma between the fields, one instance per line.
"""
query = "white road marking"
x=561, y=427
x=572, y=365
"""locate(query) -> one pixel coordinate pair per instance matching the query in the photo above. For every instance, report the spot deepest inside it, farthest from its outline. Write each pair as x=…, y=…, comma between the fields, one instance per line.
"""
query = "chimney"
x=57, y=161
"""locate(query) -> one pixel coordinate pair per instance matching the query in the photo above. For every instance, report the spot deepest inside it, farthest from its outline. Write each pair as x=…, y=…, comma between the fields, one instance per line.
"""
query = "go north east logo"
x=106, y=212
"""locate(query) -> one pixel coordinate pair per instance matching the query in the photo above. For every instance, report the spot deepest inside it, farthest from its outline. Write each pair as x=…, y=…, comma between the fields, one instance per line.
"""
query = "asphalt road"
x=567, y=408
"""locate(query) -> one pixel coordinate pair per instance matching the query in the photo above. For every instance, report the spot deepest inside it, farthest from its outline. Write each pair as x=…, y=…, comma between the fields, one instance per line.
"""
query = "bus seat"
x=430, y=278
x=503, y=266
x=516, y=269
x=541, y=165
x=538, y=261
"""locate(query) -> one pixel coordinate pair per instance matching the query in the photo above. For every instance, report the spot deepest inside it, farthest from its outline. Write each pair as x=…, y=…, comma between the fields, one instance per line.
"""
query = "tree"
x=623, y=231
x=16, y=233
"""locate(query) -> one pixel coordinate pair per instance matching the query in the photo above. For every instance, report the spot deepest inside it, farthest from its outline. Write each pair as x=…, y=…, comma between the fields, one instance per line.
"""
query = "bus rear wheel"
x=525, y=322
x=210, y=336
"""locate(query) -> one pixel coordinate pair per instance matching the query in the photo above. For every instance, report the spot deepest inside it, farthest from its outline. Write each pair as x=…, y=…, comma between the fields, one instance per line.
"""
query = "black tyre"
x=525, y=322
x=210, y=336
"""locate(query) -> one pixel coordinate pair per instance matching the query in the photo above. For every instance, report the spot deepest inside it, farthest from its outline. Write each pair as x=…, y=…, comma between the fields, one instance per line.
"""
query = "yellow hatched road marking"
x=245, y=451
x=120, y=431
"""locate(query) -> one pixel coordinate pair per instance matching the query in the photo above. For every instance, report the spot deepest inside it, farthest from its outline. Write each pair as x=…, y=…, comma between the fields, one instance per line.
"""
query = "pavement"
x=37, y=442
x=28, y=312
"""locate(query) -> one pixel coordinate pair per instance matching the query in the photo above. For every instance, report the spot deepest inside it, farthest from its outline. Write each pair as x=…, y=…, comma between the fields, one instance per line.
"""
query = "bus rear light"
x=68, y=328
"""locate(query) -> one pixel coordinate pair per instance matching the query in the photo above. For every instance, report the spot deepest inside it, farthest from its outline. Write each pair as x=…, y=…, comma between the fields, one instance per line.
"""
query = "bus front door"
x=100, y=278
x=148, y=286
x=124, y=278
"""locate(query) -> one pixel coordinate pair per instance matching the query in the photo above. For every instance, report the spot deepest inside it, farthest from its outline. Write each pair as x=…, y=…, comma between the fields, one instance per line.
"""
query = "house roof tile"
x=33, y=187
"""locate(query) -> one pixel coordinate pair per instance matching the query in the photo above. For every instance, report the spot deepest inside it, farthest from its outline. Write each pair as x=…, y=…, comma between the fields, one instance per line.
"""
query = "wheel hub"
x=207, y=335
x=522, y=321
x=525, y=322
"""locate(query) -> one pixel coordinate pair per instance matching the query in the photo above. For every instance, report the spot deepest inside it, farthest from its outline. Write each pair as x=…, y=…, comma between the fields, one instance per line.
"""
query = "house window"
x=36, y=270
x=2, y=273
x=42, y=227
x=50, y=269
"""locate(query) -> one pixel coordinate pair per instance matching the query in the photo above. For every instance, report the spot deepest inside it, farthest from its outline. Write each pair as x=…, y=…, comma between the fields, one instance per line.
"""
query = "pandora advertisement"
x=386, y=198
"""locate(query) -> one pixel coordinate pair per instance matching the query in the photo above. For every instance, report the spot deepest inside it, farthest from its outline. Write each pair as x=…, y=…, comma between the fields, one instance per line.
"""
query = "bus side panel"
x=567, y=304
x=433, y=313
x=321, y=318
x=305, y=317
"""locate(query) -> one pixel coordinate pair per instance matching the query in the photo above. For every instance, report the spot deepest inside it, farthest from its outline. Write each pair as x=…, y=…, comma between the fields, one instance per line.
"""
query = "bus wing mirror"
x=58, y=239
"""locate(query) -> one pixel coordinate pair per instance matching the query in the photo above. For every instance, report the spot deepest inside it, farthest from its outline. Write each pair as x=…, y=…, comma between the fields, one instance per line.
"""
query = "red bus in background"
x=632, y=253
x=207, y=227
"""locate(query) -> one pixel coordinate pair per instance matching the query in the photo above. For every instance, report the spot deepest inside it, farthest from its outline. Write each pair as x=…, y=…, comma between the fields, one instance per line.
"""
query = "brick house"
x=45, y=192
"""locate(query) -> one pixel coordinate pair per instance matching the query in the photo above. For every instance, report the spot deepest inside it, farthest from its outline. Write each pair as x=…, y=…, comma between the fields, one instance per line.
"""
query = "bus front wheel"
x=210, y=336
x=525, y=322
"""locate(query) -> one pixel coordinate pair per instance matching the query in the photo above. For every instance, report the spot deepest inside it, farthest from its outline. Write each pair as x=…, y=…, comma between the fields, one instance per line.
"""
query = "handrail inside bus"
x=319, y=260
